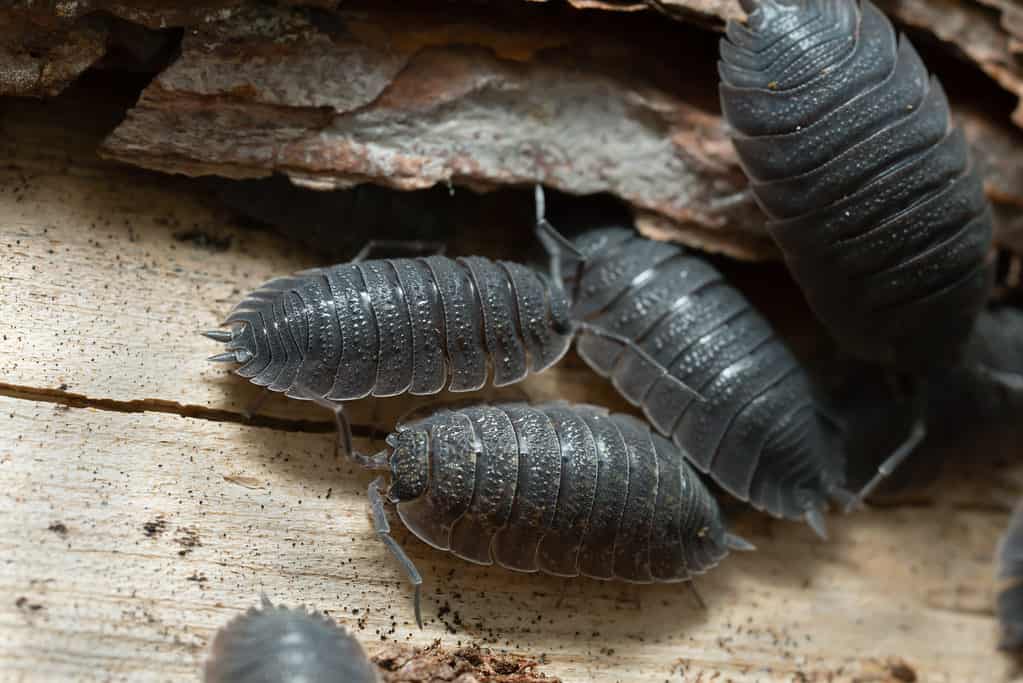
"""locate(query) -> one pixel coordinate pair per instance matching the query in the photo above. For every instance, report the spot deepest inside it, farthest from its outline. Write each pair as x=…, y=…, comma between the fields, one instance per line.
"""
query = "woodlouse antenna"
x=891, y=463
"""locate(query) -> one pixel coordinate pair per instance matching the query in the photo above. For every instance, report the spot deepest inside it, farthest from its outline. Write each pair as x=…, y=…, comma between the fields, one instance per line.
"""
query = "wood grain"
x=139, y=511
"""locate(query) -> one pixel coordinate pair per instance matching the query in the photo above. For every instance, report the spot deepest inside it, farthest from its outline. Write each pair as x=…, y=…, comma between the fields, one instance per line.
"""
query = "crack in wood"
x=156, y=405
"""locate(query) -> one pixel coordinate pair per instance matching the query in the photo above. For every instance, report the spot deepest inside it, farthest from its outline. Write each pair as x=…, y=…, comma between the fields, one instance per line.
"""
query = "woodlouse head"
x=410, y=463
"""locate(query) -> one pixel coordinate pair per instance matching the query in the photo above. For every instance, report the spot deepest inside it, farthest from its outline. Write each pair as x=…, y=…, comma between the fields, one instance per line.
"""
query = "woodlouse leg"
x=383, y=530
x=343, y=446
x=598, y=331
x=892, y=462
x=554, y=243
x=691, y=585
x=421, y=247
x=730, y=201
x=250, y=410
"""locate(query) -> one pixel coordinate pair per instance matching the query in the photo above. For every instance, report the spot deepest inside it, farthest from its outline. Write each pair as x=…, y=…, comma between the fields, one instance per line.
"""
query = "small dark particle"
x=58, y=528
x=197, y=577
x=62, y=387
x=154, y=528
x=23, y=603
x=188, y=539
x=204, y=240
x=901, y=671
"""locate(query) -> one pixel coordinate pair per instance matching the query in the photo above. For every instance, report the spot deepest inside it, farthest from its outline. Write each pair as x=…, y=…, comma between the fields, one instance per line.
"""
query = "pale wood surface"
x=176, y=513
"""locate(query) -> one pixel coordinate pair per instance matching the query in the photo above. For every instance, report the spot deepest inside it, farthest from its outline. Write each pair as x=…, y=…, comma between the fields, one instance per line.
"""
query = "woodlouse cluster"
x=882, y=219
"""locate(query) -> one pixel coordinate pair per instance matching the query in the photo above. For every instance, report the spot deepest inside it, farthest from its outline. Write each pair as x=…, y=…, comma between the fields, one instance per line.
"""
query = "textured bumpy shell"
x=386, y=327
x=756, y=431
x=868, y=188
x=559, y=488
x=281, y=645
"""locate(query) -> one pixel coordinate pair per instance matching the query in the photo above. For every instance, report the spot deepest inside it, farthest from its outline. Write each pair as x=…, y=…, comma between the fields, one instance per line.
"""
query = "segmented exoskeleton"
x=706, y=368
x=1009, y=600
x=563, y=489
x=280, y=645
x=868, y=188
x=387, y=327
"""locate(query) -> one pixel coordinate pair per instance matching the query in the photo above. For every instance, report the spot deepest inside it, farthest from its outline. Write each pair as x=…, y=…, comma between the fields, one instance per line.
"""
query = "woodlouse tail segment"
x=222, y=336
x=891, y=463
x=719, y=206
x=738, y=543
x=236, y=353
x=383, y=531
x=815, y=519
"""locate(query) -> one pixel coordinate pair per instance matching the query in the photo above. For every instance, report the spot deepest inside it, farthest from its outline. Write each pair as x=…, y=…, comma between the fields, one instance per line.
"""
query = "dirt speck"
x=204, y=240
x=24, y=604
x=188, y=539
x=902, y=672
x=58, y=528
x=247, y=482
x=155, y=528
x=403, y=663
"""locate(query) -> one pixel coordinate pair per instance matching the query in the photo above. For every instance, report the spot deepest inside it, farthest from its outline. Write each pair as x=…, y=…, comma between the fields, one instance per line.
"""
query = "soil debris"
x=155, y=528
x=188, y=539
x=902, y=672
x=403, y=663
x=24, y=604
x=204, y=240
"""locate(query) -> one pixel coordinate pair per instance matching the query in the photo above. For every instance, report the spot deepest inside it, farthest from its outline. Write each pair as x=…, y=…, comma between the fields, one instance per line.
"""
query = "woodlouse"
x=390, y=326
x=558, y=488
x=280, y=645
x=1009, y=599
x=707, y=369
x=868, y=188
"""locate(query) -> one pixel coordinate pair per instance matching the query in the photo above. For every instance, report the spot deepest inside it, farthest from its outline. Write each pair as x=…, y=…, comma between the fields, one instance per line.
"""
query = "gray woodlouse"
x=391, y=326
x=980, y=403
x=280, y=645
x=707, y=370
x=564, y=489
x=1009, y=599
x=868, y=187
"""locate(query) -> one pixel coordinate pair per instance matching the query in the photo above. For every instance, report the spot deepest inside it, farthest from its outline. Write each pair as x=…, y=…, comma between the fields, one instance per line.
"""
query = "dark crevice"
x=156, y=405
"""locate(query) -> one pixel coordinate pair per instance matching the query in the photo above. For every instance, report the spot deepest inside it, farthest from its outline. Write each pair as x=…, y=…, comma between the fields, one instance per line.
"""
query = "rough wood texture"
x=409, y=99
x=398, y=94
x=139, y=510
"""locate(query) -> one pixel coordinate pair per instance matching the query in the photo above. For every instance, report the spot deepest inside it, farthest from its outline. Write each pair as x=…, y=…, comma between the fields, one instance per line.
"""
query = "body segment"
x=868, y=187
x=707, y=369
x=564, y=489
x=394, y=326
